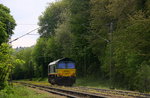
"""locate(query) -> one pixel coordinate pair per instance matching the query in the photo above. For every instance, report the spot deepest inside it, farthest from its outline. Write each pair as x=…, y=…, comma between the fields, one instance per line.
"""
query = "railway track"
x=86, y=92
x=64, y=92
x=117, y=92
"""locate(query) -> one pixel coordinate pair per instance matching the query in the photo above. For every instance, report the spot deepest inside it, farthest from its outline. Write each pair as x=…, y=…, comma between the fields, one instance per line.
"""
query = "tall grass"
x=35, y=79
x=19, y=91
x=92, y=82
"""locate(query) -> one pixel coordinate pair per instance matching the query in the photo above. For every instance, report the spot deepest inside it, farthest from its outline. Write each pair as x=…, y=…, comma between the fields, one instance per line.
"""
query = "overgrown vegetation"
x=7, y=24
x=80, y=29
x=19, y=91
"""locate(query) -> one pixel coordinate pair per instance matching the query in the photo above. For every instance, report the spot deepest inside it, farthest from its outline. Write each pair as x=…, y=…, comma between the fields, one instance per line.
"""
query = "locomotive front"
x=62, y=72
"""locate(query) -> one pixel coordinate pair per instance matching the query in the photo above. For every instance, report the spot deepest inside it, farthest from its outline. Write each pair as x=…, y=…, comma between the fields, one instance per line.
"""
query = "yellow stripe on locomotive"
x=66, y=72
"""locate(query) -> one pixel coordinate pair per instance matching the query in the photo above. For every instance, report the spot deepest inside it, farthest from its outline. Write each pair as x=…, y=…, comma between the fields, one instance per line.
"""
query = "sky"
x=25, y=13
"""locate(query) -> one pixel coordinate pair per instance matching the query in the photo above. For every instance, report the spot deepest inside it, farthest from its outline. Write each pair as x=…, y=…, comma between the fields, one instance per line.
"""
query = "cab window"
x=70, y=65
x=61, y=65
x=52, y=69
x=48, y=69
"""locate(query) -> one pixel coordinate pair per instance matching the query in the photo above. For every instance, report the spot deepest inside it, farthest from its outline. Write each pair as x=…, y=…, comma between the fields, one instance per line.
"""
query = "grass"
x=87, y=81
x=35, y=79
x=19, y=91
x=95, y=82
x=92, y=82
x=40, y=79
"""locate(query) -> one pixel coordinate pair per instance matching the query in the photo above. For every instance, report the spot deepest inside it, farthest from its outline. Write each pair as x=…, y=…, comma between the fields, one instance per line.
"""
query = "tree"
x=7, y=62
x=79, y=29
x=26, y=69
x=48, y=22
x=131, y=46
x=39, y=56
x=7, y=24
x=99, y=29
x=50, y=18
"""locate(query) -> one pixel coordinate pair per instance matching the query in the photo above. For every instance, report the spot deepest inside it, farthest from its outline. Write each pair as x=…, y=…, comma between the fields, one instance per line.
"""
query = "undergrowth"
x=19, y=91
x=92, y=82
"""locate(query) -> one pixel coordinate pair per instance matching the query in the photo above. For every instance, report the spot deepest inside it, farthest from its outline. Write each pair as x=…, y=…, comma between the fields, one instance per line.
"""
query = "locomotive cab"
x=62, y=72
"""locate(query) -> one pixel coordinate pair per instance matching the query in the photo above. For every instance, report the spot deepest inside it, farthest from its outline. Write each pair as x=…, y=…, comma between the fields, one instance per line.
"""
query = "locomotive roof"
x=57, y=61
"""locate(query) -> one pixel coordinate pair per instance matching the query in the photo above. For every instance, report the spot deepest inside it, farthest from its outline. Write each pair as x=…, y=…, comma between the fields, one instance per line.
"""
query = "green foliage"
x=143, y=77
x=39, y=56
x=6, y=64
x=50, y=18
x=131, y=49
x=80, y=29
x=24, y=67
x=6, y=91
x=92, y=81
x=7, y=24
x=63, y=37
x=19, y=91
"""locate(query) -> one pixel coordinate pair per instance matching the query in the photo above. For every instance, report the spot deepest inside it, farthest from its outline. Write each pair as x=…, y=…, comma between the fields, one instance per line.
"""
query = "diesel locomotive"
x=62, y=72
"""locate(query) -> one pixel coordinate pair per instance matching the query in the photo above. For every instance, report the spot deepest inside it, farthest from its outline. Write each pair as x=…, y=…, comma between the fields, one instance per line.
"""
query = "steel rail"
x=50, y=91
x=64, y=92
x=74, y=92
x=120, y=92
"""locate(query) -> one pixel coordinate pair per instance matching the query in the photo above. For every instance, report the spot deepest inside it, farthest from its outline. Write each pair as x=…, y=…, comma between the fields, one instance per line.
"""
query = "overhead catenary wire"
x=27, y=24
x=23, y=35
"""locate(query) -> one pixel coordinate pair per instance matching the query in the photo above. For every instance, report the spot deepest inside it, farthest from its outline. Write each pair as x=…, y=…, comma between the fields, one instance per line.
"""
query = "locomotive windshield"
x=70, y=65
x=62, y=65
x=66, y=65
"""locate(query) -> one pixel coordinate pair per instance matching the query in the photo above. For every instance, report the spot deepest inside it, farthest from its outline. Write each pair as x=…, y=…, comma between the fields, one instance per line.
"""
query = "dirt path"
x=50, y=95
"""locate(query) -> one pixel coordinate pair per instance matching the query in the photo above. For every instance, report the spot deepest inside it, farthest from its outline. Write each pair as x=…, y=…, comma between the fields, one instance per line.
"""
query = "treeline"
x=109, y=39
x=7, y=24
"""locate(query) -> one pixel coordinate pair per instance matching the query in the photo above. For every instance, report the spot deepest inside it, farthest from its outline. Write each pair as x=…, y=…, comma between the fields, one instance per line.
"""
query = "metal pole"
x=9, y=68
x=85, y=71
x=110, y=49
